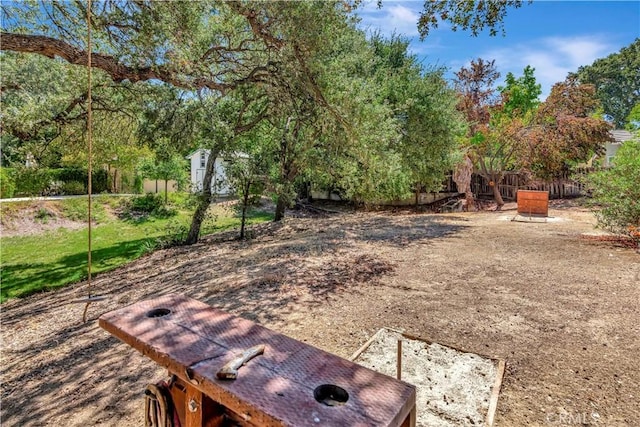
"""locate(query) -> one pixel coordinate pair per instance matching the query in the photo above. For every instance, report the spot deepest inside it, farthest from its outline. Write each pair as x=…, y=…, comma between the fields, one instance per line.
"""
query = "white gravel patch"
x=453, y=387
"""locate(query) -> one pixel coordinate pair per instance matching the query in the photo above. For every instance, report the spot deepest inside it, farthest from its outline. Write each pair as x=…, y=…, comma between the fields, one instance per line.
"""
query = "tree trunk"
x=285, y=170
x=280, y=208
x=462, y=176
x=245, y=203
x=496, y=195
x=471, y=203
x=204, y=199
x=166, y=190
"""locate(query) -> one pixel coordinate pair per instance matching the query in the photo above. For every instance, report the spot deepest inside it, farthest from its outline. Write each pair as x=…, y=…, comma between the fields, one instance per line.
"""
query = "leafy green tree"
x=338, y=136
x=520, y=96
x=496, y=146
x=223, y=50
x=220, y=122
x=617, y=81
x=616, y=192
x=494, y=151
x=191, y=45
x=425, y=109
x=44, y=117
x=247, y=176
x=165, y=168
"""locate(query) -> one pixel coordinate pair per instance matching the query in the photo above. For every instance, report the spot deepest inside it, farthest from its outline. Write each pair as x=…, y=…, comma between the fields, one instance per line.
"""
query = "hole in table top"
x=158, y=312
x=331, y=395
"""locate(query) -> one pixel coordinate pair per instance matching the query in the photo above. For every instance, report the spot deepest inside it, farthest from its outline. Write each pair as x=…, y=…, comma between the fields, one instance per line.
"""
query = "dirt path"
x=563, y=311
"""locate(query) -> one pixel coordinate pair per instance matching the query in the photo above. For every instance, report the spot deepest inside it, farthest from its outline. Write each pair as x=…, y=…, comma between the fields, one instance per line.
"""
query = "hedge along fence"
x=48, y=182
x=7, y=183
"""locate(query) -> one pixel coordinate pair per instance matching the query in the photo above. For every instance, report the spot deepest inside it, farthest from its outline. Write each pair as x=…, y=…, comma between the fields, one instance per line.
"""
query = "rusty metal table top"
x=275, y=388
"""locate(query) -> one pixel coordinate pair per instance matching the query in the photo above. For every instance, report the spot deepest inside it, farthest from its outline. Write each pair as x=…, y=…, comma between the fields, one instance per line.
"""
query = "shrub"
x=617, y=192
x=7, y=183
x=43, y=215
x=33, y=181
x=99, y=180
x=149, y=204
x=72, y=187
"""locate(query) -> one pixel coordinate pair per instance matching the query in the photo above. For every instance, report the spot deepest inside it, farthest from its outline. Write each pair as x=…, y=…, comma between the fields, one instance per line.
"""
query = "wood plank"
x=495, y=392
x=194, y=340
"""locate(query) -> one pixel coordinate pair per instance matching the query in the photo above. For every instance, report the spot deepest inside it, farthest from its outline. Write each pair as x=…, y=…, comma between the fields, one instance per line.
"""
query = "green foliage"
x=33, y=181
x=326, y=104
x=616, y=192
x=44, y=114
x=424, y=108
x=7, y=183
x=520, y=95
x=633, y=119
x=617, y=81
x=467, y=15
x=144, y=206
x=43, y=215
x=171, y=168
x=66, y=181
x=73, y=187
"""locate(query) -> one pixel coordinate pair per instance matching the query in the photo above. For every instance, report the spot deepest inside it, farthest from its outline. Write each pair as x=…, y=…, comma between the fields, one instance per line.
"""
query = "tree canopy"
x=320, y=102
x=617, y=81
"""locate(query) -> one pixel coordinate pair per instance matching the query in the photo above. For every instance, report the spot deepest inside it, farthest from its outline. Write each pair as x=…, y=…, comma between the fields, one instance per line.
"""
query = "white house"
x=219, y=182
x=619, y=136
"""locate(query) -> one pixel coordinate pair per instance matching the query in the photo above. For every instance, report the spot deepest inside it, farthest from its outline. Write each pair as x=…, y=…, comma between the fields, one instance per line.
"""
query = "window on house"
x=202, y=159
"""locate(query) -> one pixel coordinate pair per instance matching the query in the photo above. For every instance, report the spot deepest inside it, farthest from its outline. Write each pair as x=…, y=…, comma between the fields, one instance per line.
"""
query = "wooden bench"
x=194, y=341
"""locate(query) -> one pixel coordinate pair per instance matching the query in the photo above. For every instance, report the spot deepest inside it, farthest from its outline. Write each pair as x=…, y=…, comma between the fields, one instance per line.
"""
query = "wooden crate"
x=532, y=202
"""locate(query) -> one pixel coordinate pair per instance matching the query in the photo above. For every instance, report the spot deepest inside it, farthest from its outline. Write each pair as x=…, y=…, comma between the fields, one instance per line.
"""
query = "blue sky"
x=554, y=37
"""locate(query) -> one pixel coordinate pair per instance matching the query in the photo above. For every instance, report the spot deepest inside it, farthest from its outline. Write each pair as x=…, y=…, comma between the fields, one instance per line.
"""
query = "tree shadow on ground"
x=51, y=354
x=398, y=231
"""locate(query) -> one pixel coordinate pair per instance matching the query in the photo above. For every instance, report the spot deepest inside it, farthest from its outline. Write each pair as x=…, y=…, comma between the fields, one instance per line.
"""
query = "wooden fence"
x=564, y=186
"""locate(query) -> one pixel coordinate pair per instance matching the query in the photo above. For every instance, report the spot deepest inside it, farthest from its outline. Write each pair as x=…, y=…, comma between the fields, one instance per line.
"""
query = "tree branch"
x=51, y=47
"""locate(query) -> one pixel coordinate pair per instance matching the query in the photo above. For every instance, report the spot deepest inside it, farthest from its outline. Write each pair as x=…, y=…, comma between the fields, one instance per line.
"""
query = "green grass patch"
x=44, y=262
x=78, y=209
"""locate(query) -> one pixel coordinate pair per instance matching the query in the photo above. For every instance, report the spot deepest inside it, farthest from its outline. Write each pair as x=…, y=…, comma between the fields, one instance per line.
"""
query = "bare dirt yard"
x=562, y=308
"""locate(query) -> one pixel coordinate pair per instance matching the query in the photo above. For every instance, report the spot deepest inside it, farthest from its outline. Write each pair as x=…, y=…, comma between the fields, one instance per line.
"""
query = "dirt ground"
x=562, y=309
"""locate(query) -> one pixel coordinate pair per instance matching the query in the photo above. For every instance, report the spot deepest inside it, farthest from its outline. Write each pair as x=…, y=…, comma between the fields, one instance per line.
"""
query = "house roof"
x=621, y=135
x=236, y=154
x=194, y=152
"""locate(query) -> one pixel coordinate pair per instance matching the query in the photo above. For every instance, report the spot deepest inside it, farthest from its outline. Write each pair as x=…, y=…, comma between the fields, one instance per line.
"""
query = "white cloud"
x=401, y=17
x=552, y=57
x=398, y=17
